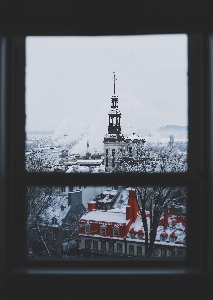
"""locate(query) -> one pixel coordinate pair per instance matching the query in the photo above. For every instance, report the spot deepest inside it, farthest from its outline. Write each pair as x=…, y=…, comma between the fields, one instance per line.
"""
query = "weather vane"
x=114, y=81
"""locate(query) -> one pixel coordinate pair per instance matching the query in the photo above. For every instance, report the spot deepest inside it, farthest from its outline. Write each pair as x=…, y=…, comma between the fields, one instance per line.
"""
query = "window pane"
x=106, y=104
x=106, y=222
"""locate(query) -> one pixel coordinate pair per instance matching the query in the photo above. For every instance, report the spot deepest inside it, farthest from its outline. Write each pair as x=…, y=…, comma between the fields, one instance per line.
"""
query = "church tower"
x=113, y=140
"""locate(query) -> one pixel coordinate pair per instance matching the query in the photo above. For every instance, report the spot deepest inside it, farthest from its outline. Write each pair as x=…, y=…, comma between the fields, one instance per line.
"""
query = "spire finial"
x=114, y=81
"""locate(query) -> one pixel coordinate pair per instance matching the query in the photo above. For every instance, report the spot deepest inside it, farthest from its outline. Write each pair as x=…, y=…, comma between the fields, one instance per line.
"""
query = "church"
x=114, y=140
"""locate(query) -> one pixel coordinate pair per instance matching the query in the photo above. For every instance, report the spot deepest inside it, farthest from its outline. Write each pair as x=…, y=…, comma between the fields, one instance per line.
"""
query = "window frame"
x=198, y=178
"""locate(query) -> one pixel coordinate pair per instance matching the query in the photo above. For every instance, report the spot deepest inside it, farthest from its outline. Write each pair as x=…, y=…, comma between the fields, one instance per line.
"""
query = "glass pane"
x=106, y=104
x=79, y=222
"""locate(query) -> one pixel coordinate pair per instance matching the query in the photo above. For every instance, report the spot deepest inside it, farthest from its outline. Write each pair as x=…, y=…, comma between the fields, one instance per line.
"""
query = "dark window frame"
x=149, y=17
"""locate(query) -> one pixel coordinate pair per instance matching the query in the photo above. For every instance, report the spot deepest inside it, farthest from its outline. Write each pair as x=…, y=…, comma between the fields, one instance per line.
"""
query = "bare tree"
x=149, y=159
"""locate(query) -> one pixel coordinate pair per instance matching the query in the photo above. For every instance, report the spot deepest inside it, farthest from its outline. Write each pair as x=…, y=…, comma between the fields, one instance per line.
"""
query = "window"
x=131, y=249
x=54, y=235
x=131, y=235
x=87, y=229
x=103, y=230
x=103, y=246
x=115, y=232
x=119, y=248
x=140, y=236
x=111, y=246
x=95, y=245
x=139, y=250
x=172, y=239
x=12, y=128
x=87, y=244
x=163, y=253
x=162, y=238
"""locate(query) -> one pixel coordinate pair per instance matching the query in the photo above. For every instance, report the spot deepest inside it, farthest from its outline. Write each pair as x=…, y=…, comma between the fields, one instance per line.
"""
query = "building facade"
x=119, y=232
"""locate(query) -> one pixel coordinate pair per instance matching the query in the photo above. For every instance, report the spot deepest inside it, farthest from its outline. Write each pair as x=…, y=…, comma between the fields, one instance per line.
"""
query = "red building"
x=120, y=232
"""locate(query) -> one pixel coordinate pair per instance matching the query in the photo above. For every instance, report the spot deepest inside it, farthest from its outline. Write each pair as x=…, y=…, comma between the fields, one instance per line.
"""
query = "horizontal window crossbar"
x=127, y=179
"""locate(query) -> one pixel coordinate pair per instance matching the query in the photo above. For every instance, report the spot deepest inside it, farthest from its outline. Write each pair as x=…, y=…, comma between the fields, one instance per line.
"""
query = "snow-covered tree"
x=36, y=161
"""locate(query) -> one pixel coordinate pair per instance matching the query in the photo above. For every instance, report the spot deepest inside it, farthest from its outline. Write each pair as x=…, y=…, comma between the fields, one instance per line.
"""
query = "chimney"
x=91, y=205
x=128, y=212
x=134, y=205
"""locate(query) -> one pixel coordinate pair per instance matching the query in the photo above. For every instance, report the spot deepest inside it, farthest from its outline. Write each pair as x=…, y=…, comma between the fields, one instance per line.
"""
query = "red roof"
x=164, y=233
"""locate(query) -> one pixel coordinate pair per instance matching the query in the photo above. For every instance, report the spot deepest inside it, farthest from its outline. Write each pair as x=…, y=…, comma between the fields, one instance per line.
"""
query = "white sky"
x=69, y=84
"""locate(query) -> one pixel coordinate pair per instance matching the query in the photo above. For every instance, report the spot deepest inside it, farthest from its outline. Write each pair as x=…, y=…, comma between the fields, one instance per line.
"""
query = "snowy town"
x=108, y=221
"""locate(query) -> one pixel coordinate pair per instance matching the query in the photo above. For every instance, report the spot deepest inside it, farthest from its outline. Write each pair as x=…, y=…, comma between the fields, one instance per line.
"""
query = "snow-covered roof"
x=110, y=216
x=70, y=170
x=133, y=137
x=54, y=210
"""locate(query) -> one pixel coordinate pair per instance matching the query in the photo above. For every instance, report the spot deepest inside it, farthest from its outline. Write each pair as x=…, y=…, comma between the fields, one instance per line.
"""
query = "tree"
x=38, y=198
x=152, y=159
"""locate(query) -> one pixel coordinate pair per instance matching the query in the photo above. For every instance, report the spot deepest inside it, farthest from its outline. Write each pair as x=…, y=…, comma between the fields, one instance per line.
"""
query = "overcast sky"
x=69, y=84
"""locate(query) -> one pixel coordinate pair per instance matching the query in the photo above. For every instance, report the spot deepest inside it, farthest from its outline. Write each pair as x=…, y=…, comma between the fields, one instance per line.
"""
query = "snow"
x=70, y=170
x=54, y=211
x=133, y=137
x=109, y=216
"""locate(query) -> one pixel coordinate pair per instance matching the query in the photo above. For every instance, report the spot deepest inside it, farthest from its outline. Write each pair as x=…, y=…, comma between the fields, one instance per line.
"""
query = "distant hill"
x=177, y=131
x=173, y=127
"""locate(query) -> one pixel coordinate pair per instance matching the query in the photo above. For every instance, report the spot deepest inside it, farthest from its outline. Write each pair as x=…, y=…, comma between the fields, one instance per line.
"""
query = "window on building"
x=106, y=161
x=172, y=239
x=131, y=249
x=87, y=229
x=106, y=151
x=103, y=245
x=95, y=245
x=54, y=221
x=140, y=236
x=156, y=253
x=111, y=246
x=54, y=235
x=163, y=253
x=113, y=162
x=87, y=244
x=113, y=152
x=103, y=230
x=163, y=238
x=131, y=235
x=139, y=250
x=119, y=248
x=115, y=232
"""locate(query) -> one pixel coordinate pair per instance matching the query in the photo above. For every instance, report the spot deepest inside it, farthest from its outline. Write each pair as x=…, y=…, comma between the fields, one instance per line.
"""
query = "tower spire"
x=114, y=81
